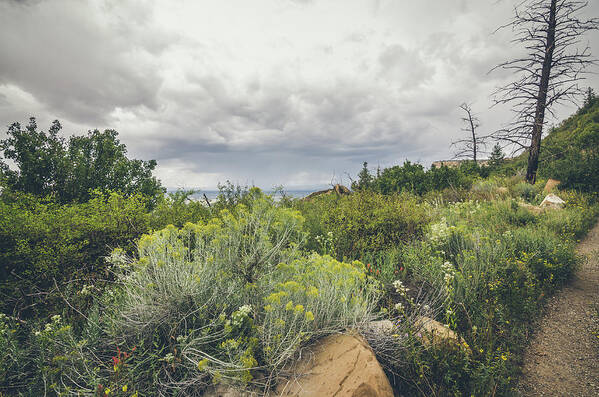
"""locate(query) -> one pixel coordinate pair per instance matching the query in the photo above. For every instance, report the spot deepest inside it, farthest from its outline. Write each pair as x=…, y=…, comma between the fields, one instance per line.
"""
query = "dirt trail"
x=563, y=357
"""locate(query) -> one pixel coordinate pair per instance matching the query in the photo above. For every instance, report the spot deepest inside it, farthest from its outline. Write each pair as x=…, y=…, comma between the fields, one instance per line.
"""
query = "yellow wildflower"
x=202, y=364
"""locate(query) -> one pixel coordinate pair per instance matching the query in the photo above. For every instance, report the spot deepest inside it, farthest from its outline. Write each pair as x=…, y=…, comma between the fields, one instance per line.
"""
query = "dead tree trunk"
x=468, y=148
x=550, y=32
x=539, y=120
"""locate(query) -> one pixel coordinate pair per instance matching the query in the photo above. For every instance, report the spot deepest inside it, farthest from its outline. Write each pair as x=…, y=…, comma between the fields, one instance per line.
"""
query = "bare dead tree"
x=551, y=33
x=469, y=147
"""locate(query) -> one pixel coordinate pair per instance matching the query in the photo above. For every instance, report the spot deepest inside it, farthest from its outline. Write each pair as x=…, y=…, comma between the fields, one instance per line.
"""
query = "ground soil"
x=563, y=357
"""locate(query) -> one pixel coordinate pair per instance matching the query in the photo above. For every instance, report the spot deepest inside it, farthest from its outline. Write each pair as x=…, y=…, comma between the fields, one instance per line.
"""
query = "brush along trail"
x=563, y=356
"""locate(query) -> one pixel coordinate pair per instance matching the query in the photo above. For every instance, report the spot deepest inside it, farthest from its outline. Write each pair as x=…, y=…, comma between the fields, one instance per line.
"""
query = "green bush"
x=44, y=244
x=177, y=209
x=363, y=222
x=228, y=300
x=413, y=178
x=315, y=296
x=527, y=191
x=490, y=265
x=579, y=216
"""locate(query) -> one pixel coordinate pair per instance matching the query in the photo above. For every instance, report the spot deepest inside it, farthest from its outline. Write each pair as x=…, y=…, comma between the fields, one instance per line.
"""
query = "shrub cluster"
x=349, y=226
x=413, y=178
x=228, y=300
x=496, y=262
x=235, y=294
x=44, y=245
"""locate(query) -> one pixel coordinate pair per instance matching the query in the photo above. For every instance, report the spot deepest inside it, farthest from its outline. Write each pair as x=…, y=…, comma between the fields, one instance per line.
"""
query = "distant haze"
x=265, y=92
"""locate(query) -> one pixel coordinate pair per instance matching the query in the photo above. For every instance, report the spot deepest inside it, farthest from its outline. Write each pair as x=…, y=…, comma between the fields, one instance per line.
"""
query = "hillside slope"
x=570, y=152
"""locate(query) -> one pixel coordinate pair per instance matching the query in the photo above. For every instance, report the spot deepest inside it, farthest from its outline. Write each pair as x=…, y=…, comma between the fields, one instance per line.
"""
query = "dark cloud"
x=81, y=65
x=262, y=93
x=24, y=2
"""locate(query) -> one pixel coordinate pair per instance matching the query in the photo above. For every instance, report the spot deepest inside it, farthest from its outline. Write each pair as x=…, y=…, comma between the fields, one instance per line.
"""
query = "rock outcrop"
x=338, y=365
x=552, y=201
x=339, y=190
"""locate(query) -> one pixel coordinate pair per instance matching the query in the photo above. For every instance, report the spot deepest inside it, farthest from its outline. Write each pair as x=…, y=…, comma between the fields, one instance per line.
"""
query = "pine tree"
x=497, y=157
x=364, y=178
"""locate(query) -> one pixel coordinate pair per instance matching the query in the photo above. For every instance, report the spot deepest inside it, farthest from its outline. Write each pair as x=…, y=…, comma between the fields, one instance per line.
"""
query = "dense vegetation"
x=414, y=178
x=120, y=290
x=70, y=170
x=570, y=152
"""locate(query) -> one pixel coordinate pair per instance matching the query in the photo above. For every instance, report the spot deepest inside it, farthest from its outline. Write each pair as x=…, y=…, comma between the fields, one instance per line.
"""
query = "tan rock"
x=339, y=190
x=552, y=201
x=338, y=365
x=381, y=326
x=436, y=333
x=551, y=185
x=532, y=208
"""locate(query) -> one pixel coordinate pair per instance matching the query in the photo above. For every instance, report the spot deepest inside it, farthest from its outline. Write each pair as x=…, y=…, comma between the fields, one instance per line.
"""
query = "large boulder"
x=338, y=365
x=552, y=201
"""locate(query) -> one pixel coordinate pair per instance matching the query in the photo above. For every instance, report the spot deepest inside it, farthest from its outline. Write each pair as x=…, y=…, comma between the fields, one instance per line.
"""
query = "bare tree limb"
x=550, y=32
x=469, y=147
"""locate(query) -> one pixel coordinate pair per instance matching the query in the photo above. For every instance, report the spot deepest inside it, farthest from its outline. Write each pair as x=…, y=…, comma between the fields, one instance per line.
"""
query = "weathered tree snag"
x=550, y=31
x=468, y=148
x=537, y=132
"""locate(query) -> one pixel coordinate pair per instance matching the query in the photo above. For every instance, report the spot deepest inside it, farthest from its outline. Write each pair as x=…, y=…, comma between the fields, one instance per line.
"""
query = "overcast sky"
x=265, y=92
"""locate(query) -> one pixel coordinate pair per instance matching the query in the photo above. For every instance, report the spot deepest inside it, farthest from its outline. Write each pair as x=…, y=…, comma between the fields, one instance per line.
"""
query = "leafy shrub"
x=13, y=357
x=526, y=191
x=44, y=244
x=485, y=187
x=579, y=216
x=177, y=209
x=364, y=221
x=496, y=263
x=229, y=300
x=413, y=178
x=316, y=296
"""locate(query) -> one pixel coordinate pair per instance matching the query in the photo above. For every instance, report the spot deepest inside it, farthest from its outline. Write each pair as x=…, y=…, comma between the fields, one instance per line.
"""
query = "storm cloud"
x=269, y=92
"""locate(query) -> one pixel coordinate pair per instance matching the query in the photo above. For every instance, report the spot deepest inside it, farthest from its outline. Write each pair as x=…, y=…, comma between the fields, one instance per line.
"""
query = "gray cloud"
x=81, y=66
x=404, y=66
x=258, y=93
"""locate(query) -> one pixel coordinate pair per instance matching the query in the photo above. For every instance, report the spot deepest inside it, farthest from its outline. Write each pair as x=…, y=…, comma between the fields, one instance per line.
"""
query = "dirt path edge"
x=563, y=356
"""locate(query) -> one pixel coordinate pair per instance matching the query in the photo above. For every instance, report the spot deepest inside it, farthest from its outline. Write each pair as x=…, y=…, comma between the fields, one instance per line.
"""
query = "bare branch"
x=469, y=148
x=550, y=32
